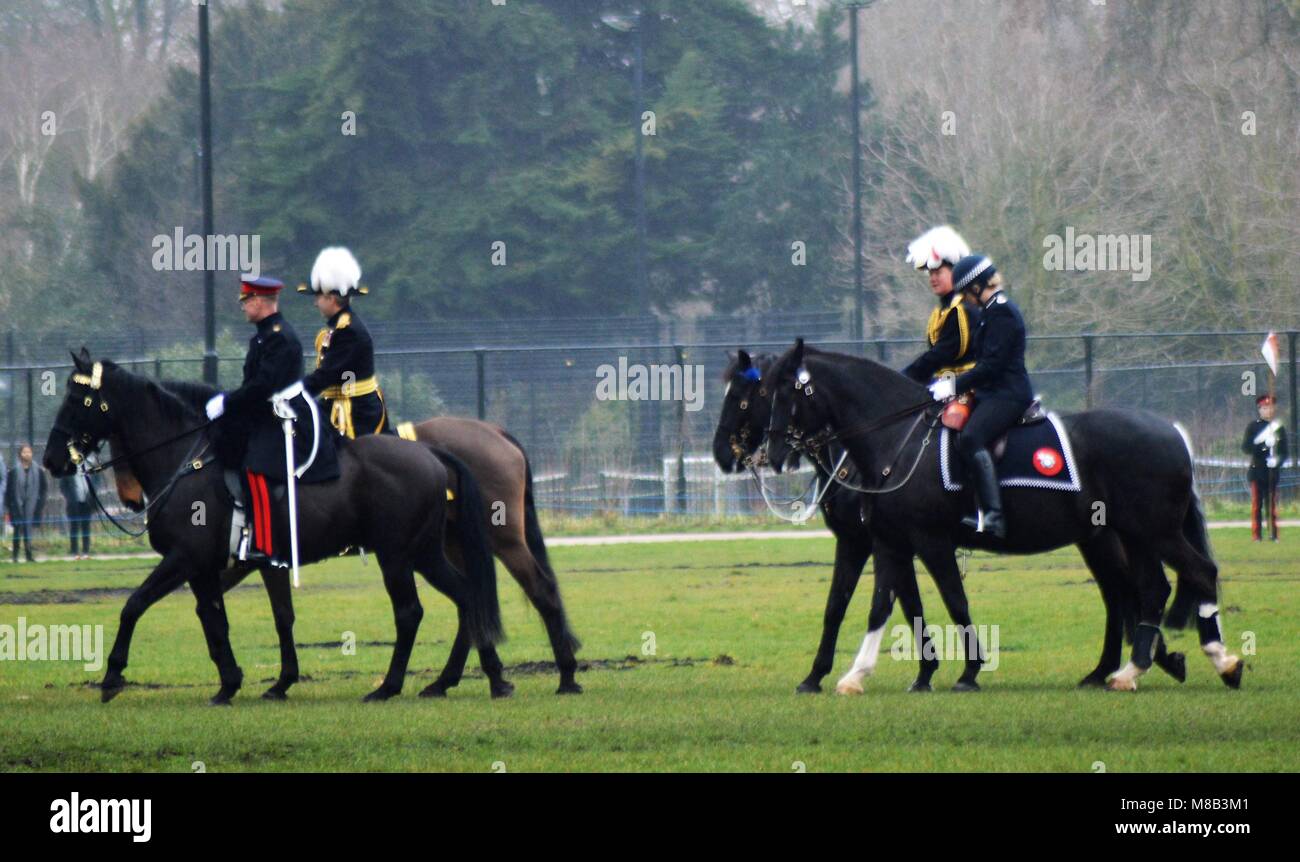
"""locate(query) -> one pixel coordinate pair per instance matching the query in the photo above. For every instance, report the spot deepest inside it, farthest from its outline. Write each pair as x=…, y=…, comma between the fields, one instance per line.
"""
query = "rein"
x=190, y=464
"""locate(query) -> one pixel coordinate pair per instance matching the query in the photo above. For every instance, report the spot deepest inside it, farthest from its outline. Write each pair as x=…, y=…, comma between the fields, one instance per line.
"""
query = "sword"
x=280, y=404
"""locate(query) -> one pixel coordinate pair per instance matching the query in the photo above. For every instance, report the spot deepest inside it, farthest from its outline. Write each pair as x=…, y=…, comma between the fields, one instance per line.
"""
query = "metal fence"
x=649, y=457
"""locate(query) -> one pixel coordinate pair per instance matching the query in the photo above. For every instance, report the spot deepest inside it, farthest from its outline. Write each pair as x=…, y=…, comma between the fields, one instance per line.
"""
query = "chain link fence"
x=599, y=456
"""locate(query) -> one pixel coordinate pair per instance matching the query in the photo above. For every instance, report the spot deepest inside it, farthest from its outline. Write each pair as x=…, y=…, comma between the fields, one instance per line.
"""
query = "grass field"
x=733, y=625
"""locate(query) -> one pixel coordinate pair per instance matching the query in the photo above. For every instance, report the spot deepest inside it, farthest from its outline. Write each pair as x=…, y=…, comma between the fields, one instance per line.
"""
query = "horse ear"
x=81, y=360
x=798, y=351
x=745, y=362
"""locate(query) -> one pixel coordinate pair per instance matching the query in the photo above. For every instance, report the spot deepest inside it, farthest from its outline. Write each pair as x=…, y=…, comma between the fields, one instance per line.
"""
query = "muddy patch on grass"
x=64, y=597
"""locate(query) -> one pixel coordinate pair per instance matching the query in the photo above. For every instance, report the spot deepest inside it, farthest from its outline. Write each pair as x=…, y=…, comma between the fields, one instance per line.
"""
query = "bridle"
x=84, y=448
x=813, y=445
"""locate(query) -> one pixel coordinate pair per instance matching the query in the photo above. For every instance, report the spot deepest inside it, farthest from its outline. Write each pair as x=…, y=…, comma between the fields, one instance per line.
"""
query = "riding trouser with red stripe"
x=260, y=514
x=1262, y=497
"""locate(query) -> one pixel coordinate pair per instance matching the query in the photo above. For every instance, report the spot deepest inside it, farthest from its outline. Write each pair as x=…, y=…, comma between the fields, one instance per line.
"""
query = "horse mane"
x=175, y=399
x=193, y=393
x=848, y=369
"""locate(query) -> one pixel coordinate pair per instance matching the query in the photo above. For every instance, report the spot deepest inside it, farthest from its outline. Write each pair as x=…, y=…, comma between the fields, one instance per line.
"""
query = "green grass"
x=735, y=625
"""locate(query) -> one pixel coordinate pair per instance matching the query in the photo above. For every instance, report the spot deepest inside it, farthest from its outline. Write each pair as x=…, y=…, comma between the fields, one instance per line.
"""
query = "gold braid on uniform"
x=938, y=317
x=340, y=397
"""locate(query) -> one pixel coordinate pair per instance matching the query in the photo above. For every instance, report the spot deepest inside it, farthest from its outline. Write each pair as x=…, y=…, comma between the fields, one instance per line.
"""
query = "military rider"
x=953, y=321
x=999, y=380
x=248, y=432
x=345, y=356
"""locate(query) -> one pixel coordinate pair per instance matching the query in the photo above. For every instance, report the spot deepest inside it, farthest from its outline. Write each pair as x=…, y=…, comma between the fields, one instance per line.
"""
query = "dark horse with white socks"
x=1136, y=465
x=391, y=498
x=742, y=429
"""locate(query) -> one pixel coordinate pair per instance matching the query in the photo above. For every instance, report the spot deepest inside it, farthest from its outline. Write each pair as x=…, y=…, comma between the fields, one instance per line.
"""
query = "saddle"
x=957, y=411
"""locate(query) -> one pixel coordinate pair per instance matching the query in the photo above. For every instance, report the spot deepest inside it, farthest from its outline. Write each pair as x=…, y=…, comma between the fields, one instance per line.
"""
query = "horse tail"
x=535, y=540
x=1188, y=595
x=483, y=610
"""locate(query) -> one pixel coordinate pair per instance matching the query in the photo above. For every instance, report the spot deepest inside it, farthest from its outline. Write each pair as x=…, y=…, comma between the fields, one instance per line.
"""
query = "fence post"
x=157, y=368
x=1291, y=338
x=11, y=359
x=1087, y=371
x=681, y=433
x=31, y=405
x=481, y=377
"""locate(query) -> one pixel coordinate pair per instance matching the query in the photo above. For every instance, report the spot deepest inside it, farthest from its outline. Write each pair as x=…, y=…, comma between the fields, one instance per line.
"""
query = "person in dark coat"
x=1266, y=444
x=80, y=511
x=999, y=381
x=25, y=495
x=345, y=355
x=951, y=325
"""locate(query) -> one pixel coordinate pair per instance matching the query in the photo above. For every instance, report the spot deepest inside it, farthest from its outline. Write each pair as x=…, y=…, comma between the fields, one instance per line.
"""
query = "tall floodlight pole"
x=625, y=23
x=859, y=296
x=205, y=162
x=638, y=84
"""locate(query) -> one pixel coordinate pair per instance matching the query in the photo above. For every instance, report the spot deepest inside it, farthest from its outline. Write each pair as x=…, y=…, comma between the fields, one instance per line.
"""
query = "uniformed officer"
x=345, y=356
x=999, y=381
x=952, y=323
x=248, y=433
x=1265, y=442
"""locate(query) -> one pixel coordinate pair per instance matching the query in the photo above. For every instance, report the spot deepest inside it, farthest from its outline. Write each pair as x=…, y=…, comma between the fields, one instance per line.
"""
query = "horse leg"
x=1172, y=663
x=1195, y=567
x=166, y=576
x=909, y=597
x=281, y=595
x=211, y=610
x=399, y=580
x=544, y=592
x=1105, y=558
x=893, y=566
x=939, y=557
x=444, y=576
x=850, y=557
x=1152, y=591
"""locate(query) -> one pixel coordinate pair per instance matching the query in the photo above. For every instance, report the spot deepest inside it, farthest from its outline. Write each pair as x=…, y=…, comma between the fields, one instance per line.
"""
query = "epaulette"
x=344, y=319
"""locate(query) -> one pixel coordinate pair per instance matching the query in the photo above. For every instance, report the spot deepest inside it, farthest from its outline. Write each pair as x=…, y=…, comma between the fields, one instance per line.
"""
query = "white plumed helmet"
x=935, y=247
x=336, y=271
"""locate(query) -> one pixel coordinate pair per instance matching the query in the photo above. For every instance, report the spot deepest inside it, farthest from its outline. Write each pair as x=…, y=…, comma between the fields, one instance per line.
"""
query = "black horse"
x=391, y=497
x=1135, y=465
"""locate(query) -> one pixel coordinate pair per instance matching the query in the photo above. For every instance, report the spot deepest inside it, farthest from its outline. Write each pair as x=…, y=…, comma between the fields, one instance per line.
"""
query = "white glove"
x=943, y=388
x=1271, y=462
x=293, y=390
x=216, y=406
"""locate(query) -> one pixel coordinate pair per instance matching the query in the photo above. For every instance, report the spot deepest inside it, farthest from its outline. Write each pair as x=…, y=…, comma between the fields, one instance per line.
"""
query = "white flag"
x=1270, y=351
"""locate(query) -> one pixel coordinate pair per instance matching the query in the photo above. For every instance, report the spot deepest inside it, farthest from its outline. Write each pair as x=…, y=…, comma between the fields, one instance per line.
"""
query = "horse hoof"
x=849, y=686
x=434, y=689
x=379, y=695
x=963, y=685
x=1232, y=678
x=1096, y=679
x=220, y=699
x=1121, y=683
x=503, y=690
x=920, y=686
x=274, y=694
x=1176, y=666
x=568, y=688
x=108, y=691
x=808, y=687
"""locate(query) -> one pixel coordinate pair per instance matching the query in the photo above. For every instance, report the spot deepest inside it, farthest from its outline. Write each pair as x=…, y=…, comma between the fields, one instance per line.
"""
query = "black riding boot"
x=987, y=494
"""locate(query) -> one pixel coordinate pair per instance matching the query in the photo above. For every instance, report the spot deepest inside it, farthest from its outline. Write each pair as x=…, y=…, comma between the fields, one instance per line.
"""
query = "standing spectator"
x=4, y=499
x=25, y=498
x=1265, y=442
x=76, y=496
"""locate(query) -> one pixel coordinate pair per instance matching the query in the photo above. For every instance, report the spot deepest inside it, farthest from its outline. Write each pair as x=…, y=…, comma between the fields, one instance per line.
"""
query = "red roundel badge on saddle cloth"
x=1048, y=461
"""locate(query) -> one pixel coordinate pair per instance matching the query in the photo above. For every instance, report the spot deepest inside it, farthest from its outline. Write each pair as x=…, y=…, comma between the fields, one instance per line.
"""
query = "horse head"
x=85, y=418
x=798, y=408
x=746, y=407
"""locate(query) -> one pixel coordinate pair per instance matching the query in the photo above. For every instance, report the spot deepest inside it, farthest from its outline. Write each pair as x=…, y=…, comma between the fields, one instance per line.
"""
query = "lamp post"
x=205, y=156
x=625, y=23
x=859, y=295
